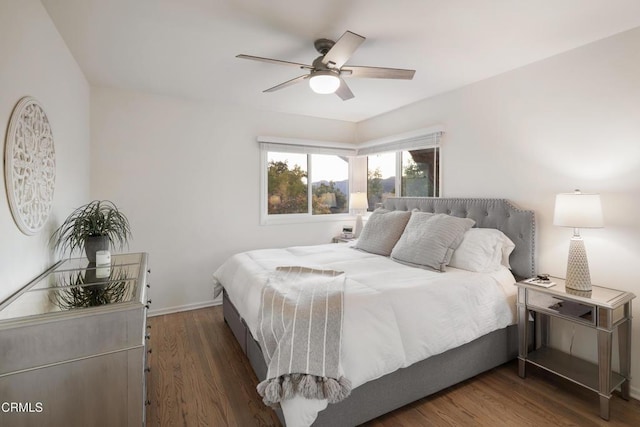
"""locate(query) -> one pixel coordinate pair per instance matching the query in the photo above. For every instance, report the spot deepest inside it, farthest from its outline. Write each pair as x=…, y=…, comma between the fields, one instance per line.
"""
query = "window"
x=381, y=178
x=304, y=181
x=330, y=184
x=288, y=189
x=420, y=173
x=406, y=167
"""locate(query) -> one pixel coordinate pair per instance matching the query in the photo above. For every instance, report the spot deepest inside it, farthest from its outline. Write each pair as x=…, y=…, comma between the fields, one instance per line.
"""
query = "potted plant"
x=92, y=227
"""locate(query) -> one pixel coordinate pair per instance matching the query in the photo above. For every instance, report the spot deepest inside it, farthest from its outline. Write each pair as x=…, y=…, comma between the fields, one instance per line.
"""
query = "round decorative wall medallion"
x=29, y=166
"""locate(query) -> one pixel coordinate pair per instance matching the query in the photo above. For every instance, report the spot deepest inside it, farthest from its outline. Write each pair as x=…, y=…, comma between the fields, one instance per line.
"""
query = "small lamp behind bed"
x=578, y=210
x=358, y=205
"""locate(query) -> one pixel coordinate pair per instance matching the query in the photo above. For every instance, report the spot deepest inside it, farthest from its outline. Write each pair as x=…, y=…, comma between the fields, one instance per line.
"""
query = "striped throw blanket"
x=300, y=335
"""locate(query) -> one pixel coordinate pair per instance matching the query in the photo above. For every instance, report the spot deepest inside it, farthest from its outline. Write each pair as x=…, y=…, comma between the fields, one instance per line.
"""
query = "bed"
x=388, y=381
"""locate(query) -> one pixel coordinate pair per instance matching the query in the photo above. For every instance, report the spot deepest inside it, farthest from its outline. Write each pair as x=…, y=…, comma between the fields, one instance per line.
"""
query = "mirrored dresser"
x=73, y=345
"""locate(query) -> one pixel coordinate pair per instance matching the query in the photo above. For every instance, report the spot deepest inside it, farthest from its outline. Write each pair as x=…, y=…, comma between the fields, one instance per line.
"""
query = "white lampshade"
x=324, y=82
x=358, y=201
x=578, y=210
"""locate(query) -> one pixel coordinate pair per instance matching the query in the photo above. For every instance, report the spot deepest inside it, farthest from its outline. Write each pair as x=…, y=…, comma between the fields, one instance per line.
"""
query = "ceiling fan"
x=327, y=70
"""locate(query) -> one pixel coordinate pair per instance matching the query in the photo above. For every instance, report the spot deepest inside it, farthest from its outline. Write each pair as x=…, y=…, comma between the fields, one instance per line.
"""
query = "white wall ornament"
x=29, y=166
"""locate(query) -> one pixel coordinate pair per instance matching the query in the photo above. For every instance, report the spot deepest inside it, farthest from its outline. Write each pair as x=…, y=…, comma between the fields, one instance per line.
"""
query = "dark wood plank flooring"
x=199, y=377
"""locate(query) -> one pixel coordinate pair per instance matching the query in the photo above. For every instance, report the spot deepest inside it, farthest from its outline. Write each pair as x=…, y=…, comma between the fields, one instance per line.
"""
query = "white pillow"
x=482, y=250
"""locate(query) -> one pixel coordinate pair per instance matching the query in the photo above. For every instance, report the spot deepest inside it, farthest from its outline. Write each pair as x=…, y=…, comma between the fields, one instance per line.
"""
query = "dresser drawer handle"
x=149, y=351
x=147, y=402
x=148, y=336
x=148, y=285
x=147, y=369
x=148, y=326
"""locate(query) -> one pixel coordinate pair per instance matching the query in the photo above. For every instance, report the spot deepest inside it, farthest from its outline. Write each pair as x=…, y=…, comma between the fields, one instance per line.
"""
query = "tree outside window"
x=419, y=175
x=288, y=191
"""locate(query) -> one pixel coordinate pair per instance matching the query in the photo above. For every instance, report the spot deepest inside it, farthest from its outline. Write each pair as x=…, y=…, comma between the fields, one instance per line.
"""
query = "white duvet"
x=394, y=315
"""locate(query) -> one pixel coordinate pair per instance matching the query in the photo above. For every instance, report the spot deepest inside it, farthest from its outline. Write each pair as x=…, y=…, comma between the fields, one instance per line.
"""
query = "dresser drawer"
x=68, y=339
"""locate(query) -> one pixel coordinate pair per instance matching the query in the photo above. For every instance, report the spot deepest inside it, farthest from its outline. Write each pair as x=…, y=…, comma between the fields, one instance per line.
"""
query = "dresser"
x=73, y=345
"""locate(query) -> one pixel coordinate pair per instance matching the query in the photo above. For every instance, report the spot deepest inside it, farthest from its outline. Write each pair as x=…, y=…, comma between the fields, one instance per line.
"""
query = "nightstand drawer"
x=617, y=314
x=572, y=310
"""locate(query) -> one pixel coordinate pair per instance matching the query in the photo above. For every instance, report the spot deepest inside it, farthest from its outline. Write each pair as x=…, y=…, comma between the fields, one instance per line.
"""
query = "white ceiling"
x=187, y=48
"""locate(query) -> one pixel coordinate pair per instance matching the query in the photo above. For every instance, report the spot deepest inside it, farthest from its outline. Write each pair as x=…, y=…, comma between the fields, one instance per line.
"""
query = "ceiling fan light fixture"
x=324, y=82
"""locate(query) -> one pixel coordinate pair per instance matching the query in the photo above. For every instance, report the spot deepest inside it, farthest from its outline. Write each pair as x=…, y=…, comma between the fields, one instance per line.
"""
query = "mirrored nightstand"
x=603, y=309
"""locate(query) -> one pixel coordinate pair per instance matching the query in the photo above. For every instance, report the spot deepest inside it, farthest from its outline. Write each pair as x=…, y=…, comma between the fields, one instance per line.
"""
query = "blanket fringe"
x=275, y=390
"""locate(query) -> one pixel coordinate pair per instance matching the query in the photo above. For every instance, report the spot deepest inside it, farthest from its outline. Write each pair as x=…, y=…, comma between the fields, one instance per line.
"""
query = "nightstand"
x=340, y=239
x=605, y=310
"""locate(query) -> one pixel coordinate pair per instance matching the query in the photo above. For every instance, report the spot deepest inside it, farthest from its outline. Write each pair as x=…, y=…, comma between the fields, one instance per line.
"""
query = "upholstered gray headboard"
x=517, y=224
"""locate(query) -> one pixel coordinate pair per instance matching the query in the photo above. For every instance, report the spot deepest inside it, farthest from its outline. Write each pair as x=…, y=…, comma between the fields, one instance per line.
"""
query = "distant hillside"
x=388, y=185
x=343, y=186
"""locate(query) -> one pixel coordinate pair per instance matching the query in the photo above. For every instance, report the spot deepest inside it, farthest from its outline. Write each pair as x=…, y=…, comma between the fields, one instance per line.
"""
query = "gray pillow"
x=382, y=231
x=430, y=239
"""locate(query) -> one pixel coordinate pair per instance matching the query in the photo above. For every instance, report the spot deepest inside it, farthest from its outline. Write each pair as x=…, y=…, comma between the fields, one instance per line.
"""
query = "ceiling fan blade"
x=274, y=61
x=342, y=50
x=343, y=91
x=287, y=83
x=377, y=72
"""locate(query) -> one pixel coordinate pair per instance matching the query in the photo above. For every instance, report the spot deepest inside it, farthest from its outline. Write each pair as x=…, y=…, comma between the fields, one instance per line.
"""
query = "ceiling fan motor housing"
x=323, y=45
x=318, y=65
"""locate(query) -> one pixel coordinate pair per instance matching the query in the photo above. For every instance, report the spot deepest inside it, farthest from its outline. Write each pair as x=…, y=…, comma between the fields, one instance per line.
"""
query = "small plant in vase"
x=92, y=227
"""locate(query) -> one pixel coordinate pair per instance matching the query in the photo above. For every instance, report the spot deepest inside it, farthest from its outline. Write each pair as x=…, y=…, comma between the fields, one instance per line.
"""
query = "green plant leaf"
x=96, y=218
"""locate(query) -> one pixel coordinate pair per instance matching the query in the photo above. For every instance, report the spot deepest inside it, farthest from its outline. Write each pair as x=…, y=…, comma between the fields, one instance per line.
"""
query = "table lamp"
x=358, y=205
x=578, y=210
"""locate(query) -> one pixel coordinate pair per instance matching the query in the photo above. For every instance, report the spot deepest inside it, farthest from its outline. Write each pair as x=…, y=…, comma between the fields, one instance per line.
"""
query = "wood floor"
x=199, y=377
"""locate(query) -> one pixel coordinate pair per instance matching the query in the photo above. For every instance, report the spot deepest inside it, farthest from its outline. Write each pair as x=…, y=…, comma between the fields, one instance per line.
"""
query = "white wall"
x=187, y=176
x=35, y=61
x=571, y=121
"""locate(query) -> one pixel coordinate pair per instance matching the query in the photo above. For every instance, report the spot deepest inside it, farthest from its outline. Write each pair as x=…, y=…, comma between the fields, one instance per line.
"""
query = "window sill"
x=304, y=219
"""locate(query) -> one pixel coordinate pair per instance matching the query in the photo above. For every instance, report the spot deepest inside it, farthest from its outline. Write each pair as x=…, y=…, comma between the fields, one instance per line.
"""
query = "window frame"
x=418, y=140
x=284, y=145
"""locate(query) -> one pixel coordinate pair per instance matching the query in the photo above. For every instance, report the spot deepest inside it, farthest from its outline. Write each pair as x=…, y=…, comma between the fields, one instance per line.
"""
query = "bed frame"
x=377, y=397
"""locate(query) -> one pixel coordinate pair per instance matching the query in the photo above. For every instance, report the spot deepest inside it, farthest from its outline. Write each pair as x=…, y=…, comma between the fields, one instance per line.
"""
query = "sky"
x=333, y=168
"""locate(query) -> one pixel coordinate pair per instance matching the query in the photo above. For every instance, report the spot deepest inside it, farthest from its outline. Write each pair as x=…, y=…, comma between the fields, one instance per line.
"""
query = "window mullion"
x=399, y=174
x=309, y=186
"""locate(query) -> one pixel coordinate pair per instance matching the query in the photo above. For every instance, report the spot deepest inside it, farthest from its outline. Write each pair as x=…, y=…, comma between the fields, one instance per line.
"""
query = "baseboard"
x=187, y=307
x=634, y=392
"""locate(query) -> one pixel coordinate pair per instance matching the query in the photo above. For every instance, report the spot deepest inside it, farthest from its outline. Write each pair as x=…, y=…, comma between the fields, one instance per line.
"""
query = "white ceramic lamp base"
x=578, y=277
